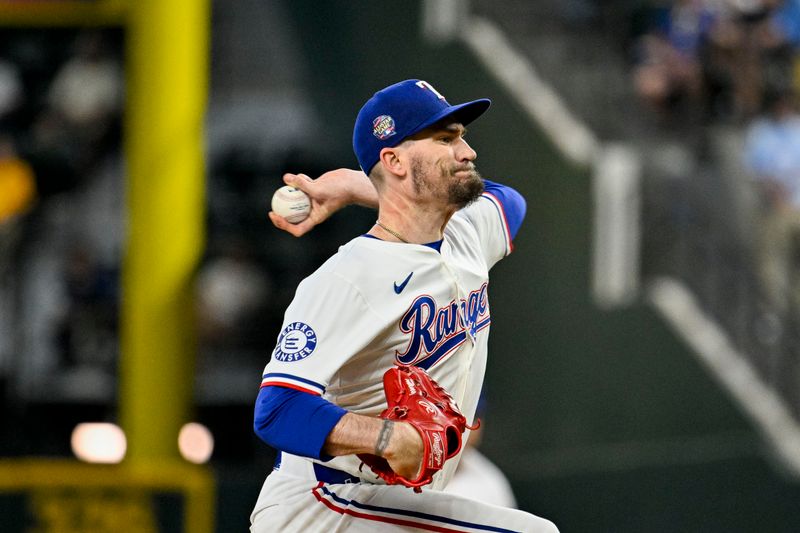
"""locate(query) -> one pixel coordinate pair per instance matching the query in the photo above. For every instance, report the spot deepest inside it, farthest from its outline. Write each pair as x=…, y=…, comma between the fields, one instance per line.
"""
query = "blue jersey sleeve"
x=294, y=421
x=513, y=205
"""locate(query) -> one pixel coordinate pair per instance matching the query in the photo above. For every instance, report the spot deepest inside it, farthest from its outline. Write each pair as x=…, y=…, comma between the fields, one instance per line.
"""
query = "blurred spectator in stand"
x=17, y=195
x=18, y=192
x=772, y=156
x=705, y=58
x=87, y=332
x=736, y=59
x=87, y=94
x=11, y=92
x=61, y=96
x=232, y=291
x=669, y=70
x=54, y=156
x=754, y=48
x=17, y=183
x=783, y=28
x=782, y=38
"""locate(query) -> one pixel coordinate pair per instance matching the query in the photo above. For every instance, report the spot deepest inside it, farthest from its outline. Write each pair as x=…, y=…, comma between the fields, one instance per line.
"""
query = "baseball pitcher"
x=373, y=384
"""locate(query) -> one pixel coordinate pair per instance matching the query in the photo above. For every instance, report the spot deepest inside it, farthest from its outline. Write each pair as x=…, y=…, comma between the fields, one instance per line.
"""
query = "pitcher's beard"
x=460, y=192
x=464, y=192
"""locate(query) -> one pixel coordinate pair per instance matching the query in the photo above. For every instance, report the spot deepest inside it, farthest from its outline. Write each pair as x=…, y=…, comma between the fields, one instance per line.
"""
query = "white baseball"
x=292, y=204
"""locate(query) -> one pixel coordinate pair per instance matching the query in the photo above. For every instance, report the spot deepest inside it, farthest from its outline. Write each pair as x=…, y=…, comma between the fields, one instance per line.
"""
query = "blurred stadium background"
x=644, y=376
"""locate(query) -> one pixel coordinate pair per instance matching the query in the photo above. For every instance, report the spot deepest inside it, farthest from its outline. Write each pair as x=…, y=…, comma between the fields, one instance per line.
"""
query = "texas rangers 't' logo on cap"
x=383, y=127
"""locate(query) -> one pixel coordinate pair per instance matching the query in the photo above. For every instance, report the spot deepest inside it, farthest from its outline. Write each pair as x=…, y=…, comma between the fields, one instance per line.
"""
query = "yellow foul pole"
x=167, y=84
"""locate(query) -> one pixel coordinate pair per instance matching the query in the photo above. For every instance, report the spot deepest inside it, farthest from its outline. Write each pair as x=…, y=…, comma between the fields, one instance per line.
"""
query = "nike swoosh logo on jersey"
x=399, y=288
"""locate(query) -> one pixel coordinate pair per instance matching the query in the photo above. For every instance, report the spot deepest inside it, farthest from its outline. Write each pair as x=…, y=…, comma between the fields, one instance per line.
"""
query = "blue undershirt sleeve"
x=295, y=422
x=513, y=204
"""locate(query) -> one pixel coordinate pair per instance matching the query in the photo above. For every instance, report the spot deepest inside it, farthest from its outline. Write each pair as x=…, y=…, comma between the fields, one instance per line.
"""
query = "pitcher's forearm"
x=362, y=191
x=398, y=442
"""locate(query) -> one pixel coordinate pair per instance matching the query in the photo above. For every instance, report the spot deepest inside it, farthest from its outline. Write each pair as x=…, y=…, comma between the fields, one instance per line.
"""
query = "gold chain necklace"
x=378, y=223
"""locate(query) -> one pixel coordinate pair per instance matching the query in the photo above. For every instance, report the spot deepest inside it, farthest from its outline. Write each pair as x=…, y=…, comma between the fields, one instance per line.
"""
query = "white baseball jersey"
x=377, y=303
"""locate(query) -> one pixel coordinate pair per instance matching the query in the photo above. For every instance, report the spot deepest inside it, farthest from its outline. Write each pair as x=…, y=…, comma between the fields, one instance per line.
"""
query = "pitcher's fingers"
x=296, y=230
x=289, y=178
x=301, y=228
x=281, y=223
x=298, y=181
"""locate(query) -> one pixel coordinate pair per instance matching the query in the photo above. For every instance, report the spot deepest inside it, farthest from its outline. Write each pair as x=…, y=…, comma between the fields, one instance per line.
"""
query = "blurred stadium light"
x=196, y=443
x=99, y=442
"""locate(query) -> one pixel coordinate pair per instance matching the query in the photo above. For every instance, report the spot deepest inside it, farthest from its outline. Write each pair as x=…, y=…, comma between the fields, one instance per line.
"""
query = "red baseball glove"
x=414, y=397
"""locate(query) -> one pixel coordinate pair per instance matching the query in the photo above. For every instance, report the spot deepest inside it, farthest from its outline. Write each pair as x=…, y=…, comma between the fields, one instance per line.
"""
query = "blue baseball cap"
x=401, y=110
